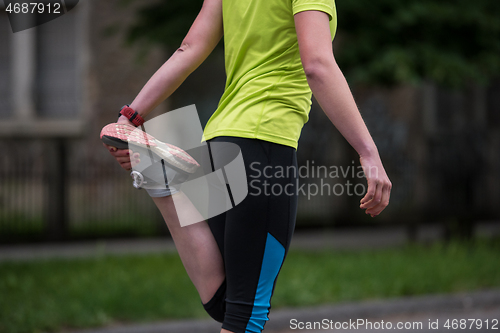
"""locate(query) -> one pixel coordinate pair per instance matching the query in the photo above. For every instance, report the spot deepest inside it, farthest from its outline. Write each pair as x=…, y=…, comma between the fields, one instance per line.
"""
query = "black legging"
x=254, y=236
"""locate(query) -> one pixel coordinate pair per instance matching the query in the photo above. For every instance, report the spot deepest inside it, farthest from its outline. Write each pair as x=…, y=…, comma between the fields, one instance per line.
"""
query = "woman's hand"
x=125, y=157
x=379, y=186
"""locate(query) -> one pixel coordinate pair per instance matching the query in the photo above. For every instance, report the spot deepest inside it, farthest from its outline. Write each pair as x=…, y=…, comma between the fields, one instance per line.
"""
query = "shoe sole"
x=123, y=136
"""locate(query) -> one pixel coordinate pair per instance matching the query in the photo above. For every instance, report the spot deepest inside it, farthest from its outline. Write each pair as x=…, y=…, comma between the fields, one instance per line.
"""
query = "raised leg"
x=196, y=246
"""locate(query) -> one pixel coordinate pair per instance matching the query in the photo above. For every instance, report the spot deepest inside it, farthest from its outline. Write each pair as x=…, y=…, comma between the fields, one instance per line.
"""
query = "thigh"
x=257, y=232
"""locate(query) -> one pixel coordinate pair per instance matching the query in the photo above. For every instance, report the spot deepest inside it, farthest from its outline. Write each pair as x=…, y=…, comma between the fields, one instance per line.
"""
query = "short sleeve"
x=327, y=6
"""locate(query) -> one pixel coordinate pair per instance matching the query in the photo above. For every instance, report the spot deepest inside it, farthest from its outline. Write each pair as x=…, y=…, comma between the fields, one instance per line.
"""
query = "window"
x=40, y=76
x=57, y=74
x=6, y=108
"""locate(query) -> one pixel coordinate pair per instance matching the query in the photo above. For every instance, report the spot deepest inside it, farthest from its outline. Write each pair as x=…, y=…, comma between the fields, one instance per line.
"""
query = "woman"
x=276, y=53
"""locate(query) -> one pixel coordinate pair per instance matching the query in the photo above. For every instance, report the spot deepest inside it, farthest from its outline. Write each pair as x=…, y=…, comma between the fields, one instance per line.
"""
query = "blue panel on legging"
x=274, y=255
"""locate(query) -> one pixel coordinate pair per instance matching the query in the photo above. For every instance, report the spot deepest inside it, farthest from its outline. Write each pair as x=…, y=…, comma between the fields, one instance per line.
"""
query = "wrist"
x=133, y=116
x=367, y=151
x=124, y=120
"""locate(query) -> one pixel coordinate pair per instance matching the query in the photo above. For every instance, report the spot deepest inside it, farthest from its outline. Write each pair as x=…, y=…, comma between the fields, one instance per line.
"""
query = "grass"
x=313, y=278
x=50, y=295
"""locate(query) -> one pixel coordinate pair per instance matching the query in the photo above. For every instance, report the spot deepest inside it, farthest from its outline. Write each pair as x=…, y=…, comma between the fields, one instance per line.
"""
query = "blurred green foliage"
x=447, y=41
x=384, y=42
x=163, y=23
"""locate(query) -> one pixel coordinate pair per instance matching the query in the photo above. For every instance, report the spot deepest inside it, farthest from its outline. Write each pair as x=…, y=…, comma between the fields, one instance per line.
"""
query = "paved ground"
x=483, y=307
x=479, y=320
x=474, y=312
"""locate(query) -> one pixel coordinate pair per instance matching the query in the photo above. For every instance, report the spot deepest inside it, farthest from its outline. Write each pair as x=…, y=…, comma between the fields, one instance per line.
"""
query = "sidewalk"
x=482, y=305
x=338, y=239
x=416, y=312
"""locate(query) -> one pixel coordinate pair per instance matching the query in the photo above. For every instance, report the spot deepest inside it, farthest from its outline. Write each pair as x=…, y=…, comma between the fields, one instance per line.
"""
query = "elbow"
x=317, y=68
x=184, y=46
x=312, y=71
x=194, y=49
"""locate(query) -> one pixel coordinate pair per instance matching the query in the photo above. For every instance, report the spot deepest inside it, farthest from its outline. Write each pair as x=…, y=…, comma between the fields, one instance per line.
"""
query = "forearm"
x=331, y=90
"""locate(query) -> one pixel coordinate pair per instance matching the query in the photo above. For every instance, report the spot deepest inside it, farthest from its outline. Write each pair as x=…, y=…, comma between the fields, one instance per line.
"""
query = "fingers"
x=135, y=159
x=125, y=157
x=372, y=186
x=126, y=165
x=110, y=148
x=377, y=197
x=372, y=197
x=386, y=192
x=120, y=152
x=379, y=186
x=122, y=159
x=128, y=161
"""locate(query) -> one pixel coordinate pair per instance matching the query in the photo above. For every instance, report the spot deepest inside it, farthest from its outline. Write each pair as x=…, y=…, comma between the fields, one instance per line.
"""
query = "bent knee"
x=216, y=307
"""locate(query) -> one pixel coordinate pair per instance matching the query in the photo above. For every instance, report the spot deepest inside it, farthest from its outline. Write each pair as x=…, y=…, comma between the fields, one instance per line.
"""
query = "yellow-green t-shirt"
x=266, y=94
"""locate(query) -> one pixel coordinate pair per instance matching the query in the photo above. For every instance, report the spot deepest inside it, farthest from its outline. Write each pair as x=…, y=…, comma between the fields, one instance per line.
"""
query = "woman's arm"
x=330, y=88
x=199, y=42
